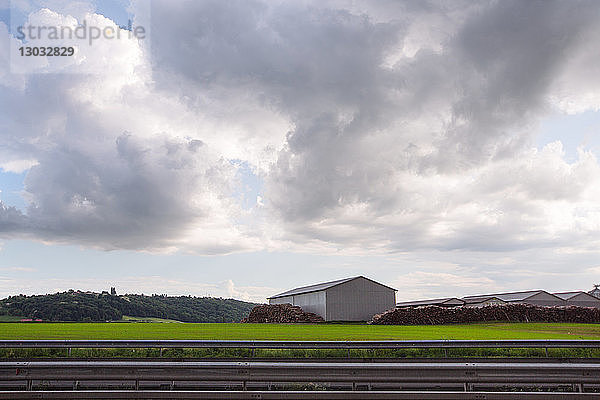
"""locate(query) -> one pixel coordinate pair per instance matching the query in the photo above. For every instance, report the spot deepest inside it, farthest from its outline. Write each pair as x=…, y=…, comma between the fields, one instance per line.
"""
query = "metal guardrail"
x=274, y=344
x=432, y=374
x=293, y=395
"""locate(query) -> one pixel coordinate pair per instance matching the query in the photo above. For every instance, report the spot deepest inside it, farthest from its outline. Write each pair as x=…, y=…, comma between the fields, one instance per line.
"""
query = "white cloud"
x=116, y=164
x=380, y=127
x=17, y=166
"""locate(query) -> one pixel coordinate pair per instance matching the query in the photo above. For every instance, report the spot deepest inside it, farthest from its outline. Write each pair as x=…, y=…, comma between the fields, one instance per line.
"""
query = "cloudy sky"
x=241, y=148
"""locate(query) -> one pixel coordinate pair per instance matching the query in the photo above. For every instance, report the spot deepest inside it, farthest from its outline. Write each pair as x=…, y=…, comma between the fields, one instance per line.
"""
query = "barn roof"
x=512, y=296
x=322, y=286
x=480, y=299
x=569, y=295
x=432, y=302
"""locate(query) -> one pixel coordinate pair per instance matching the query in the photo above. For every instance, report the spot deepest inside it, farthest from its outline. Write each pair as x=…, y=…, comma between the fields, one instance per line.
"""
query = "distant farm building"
x=533, y=297
x=477, y=301
x=483, y=301
x=445, y=302
x=350, y=299
x=581, y=299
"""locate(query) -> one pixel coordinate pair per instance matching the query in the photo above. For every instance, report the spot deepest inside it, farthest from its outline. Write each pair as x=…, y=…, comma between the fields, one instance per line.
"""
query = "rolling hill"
x=89, y=306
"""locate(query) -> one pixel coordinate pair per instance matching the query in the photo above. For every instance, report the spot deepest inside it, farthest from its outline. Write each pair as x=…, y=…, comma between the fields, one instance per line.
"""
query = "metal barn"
x=484, y=302
x=580, y=299
x=350, y=299
x=445, y=302
x=533, y=297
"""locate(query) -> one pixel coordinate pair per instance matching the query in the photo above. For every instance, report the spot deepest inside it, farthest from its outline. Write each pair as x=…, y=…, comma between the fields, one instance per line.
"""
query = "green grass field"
x=127, y=318
x=295, y=331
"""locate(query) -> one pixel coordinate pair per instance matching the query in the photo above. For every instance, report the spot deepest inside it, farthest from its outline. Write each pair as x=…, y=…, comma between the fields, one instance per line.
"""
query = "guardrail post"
x=545, y=348
x=254, y=348
x=137, y=384
x=161, y=352
x=244, y=386
x=29, y=384
x=69, y=352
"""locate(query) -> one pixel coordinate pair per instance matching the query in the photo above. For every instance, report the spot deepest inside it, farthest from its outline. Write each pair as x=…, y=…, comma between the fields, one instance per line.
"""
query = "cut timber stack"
x=432, y=315
x=282, y=313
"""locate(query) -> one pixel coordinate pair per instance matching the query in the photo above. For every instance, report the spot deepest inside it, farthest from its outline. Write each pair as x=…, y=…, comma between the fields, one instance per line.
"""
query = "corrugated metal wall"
x=358, y=300
x=282, y=300
x=310, y=302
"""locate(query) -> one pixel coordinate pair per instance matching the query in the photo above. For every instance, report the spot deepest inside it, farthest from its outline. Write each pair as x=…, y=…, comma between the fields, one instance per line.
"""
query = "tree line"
x=86, y=306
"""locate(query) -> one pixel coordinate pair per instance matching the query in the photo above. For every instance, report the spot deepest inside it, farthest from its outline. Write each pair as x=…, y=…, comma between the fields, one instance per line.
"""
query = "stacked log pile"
x=281, y=313
x=433, y=315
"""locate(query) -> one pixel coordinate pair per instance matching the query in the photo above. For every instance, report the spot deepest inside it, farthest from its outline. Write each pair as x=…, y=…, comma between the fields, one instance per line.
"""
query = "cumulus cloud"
x=380, y=126
x=439, y=124
x=111, y=164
